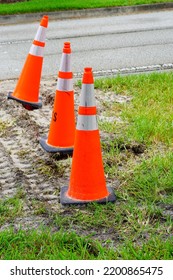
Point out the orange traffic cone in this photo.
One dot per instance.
(87, 180)
(27, 88)
(62, 128)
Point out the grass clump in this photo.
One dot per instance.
(4, 128)
(52, 167)
(11, 208)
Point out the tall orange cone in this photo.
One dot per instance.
(87, 180)
(27, 88)
(62, 128)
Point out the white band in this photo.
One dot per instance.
(36, 50)
(64, 84)
(87, 98)
(65, 65)
(41, 34)
(87, 122)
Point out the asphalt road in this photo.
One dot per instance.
(104, 43)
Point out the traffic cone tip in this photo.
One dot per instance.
(88, 76)
(67, 47)
(44, 21)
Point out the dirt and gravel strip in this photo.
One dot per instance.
(24, 165)
(22, 161)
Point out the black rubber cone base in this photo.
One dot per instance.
(66, 200)
(30, 106)
(51, 149)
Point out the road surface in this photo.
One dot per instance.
(137, 41)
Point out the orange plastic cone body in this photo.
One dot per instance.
(27, 88)
(28, 85)
(87, 179)
(62, 127)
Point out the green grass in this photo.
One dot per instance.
(11, 208)
(54, 5)
(61, 245)
(152, 180)
(150, 113)
(44, 245)
(138, 157)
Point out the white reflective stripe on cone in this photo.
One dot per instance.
(65, 65)
(87, 122)
(36, 50)
(64, 84)
(87, 100)
(41, 34)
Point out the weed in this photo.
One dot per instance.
(11, 208)
(39, 207)
(53, 167)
